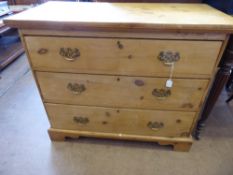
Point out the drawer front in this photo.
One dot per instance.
(136, 57)
(122, 121)
(120, 91)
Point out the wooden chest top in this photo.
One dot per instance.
(123, 16)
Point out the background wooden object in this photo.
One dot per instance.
(223, 74)
(221, 78)
(10, 45)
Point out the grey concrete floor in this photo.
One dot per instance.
(25, 148)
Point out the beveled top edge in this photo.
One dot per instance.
(123, 16)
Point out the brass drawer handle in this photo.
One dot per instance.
(155, 126)
(81, 120)
(168, 57)
(76, 88)
(161, 93)
(69, 54)
(42, 51)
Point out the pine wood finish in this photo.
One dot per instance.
(132, 59)
(120, 91)
(112, 87)
(178, 143)
(121, 121)
(123, 17)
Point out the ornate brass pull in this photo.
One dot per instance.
(168, 57)
(161, 93)
(155, 126)
(42, 51)
(76, 88)
(69, 54)
(81, 120)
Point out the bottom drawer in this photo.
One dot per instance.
(122, 121)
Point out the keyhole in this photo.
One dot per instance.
(120, 46)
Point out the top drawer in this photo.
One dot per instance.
(133, 57)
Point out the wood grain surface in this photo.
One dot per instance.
(123, 16)
(137, 57)
(121, 121)
(204, 36)
(121, 91)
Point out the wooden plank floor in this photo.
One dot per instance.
(25, 147)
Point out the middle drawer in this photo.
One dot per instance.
(121, 91)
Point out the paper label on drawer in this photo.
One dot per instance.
(169, 83)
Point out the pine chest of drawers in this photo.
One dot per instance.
(123, 71)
